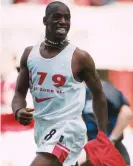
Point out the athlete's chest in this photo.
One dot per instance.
(50, 73)
(58, 70)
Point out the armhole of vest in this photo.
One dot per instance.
(29, 55)
(70, 67)
(34, 49)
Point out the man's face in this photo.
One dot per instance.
(58, 22)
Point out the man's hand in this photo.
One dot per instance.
(112, 139)
(24, 116)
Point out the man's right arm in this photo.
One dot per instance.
(22, 84)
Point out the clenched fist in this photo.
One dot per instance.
(24, 116)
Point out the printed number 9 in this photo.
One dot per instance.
(59, 80)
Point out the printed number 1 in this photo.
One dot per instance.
(58, 79)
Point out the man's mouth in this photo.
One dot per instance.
(61, 30)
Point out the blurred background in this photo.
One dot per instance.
(104, 28)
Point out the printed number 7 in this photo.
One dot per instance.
(58, 79)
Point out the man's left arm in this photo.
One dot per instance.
(92, 80)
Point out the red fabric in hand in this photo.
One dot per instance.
(101, 152)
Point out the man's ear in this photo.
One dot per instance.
(44, 20)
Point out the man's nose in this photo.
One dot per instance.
(62, 21)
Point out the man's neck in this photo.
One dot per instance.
(54, 41)
(55, 46)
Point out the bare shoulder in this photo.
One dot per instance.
(28, 49)
(81, 52)
(84, 58)
(88, 72)
(25, 55)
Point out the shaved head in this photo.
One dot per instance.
(53, 6)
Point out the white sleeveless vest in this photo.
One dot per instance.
(56, 94)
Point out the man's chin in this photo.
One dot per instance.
(61, 36)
